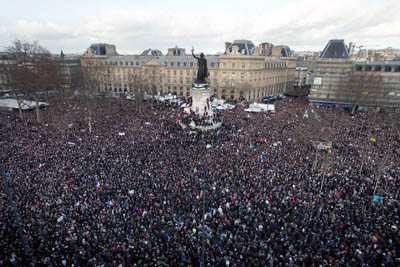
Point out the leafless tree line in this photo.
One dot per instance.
(31, 70)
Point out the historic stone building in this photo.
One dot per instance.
(239, 73)
(388, 94)
(303, 76)
(340, 81)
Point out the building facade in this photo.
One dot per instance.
(239, 73)
(341, 81)
(303, 76)
(388, 94)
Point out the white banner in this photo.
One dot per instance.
(318, 80)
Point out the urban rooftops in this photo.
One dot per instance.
(335, 49)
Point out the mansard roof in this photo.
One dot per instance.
(335, 49)
(151, 52)
(285, 51)
(246, 47)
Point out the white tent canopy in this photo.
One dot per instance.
(11, 103)
(258, 107)
(221, 104)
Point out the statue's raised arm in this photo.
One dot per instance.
(194, 54)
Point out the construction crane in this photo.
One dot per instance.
(359, 49)
(353, 46)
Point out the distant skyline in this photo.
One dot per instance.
(133, 26)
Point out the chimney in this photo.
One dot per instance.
(235, 50)
(227, 44)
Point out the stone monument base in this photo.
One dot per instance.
(201, 108)
(201, 102)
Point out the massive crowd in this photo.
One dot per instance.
(130, 192)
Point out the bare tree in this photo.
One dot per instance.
(153, 81)
(33, 70)
(225, 85)
(243, 87)
(70, 68)
(136, 83)
(88, 84)
(362, 88)
(8, 74)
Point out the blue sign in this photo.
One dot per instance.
(324, 104)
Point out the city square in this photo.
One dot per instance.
(213, 133)
(136, 198)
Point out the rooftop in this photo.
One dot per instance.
(285, 51)
(335, 49)
(246, 47)
(151, 52)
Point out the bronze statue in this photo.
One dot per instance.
(202, 70)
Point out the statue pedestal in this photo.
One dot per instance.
(201, 106)
(201, 103)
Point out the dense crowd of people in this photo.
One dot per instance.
(129, 193)
(192, 119)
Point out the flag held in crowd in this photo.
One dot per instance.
(372, 139)
(378, 199)
(98, 185)
(110, 203)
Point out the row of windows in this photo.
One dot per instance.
(191, 64)
(252, 94)
(212, 73)
(332, 72)
(121, 63)
(378, 68)
(260, 65)
(181, 64)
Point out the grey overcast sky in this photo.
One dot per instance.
(135, 25)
